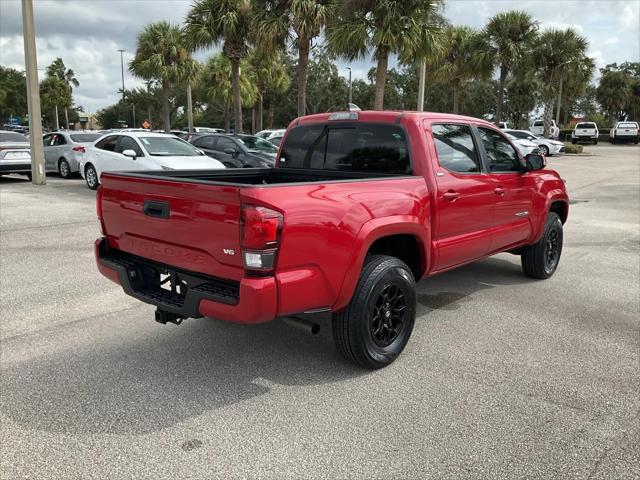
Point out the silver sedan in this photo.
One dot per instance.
(63, 150)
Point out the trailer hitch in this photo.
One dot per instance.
(164, 317)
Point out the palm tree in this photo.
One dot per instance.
(215, 80)
(298, 21)
(68, 78)
(161, 55)
(226, 22)
(383, 28)
(509, 35)
(462, 60)
(557, 52)
(270, 74)
(53, 91)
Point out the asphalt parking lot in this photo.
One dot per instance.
(504, 377)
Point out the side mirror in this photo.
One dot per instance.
(535, 161)
(231, 151)
(130, 153)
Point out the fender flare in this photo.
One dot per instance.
(370, 232)
(556, 195)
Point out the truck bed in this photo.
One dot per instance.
(257, 176)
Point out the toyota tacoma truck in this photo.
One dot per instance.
(358, 207)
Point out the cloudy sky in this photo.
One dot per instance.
(88, 33)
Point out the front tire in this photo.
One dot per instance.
(541, 259)
(91, 177)
(375, 327)
(573, 141)
(64, 169)
(544, 150)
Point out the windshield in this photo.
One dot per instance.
(85, 137)
(12, 137)
(256, 143)
(168, 147)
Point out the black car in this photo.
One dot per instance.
(237, 151)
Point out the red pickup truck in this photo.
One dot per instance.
(359, 207)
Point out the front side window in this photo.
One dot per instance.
(455, 147)
(502, 157)
(58, 140)
(356, 147)
(128, 143)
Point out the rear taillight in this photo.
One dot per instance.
(80, 149)
(260, 231)
(99, 209)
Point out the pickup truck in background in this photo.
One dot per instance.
(537, 128)
(359, 207)
(624, 132)
(585, 132)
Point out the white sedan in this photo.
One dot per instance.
(130, 151)
(525, 146)
(547, 146)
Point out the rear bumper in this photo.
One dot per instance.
(15, 167)
(252, 300)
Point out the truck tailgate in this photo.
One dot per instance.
(187, 225)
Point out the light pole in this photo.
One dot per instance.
(421, 82)
(350, 90)
(38, 176)
(122, 70)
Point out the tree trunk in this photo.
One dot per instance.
(237, 102)
(547, 117)
(189, 109)
(303, 65)
(227, 118)
(259, 112)
(56, 123)
(150, 121)
(66, 118)
(503, 80)
(559, 103)
(272, 115)
(166, 116)
(253, 120)
(381, 76)
(456, 96)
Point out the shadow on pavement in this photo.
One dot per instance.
(140, 383)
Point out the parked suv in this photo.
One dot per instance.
(585, 132)
(537, 128)
(624, 132)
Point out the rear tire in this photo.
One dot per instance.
(91, 177)
(64, 169)
(541, 259)
(595, 142)
(375, 327)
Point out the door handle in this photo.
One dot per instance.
(499, 191)
(451, 196)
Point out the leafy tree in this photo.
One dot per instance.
(52, 92)
(619, 90)
(298, 22)
(227, 22)
(67, 77)
(382, 27)
(462, 60)
(161, 55)
(510, 35)
(13, 93)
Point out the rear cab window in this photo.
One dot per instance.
(355, 147)
(455, 148)
(586, 125)
(628, 125)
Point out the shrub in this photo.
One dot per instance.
(570, 148)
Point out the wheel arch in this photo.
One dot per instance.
(400, 236)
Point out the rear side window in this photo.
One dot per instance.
(455, 147)
(585, 125)
(108, 143)
(361, 147)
